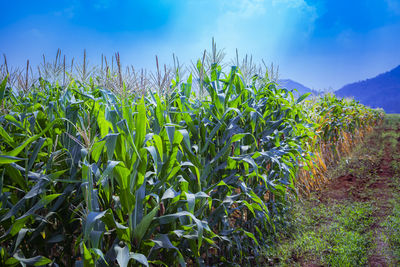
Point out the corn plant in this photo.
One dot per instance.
(92, 175)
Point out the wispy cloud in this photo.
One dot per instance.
(265, 26)
(321, 43)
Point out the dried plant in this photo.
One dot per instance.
(112, 74)
(271, 72)
(52, 71)
(246, 65)
(216, 56)
(25, 79)
(161, 80)
(84, 71)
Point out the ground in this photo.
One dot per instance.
(355, 219)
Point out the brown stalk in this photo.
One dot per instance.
(26, 76)
(64, 71)
(102, 56)
(5, 63)
(118, 61)
(84, 65)
(72, 64)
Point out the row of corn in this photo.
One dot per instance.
(90, 177)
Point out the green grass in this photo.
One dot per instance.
(392, 120)
(392, 229)
(334, 235)
(392, 223)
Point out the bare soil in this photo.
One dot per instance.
(369, 177)
(379, 190)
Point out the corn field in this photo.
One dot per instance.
(122, 167)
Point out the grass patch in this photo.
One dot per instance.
(356, 217)
(392, 120)
(348, 248)
(392, 229)
(330, 234)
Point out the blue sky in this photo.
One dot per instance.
(320, 43)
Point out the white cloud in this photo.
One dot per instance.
(263, 27)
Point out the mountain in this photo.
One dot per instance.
(290, 84)
(383, 91)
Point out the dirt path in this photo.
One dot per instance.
(350, 222)
(381, 189)
(377, 189)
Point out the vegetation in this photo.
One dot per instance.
(330, 235)
(93, 172)
(354, 220)
(392, 225)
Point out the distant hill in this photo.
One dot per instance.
(383, 91)
(290, 84)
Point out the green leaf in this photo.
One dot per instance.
(97, 150)
(21, 235)
(170, 133)
(40, 204)
(17, 150)
(16, 227)
(163, 241)
(111, 141)
(6, 137)
(166, 219)
(123, 256)
(108, 171)
(140, 258)
(4, 159)
(35, 153)
(251, 235)
(103, 123)
(140, 123)
(158, 144)
(13, 121)
(238, 137)
(87, 257)
(35, 261)
(3, 88)
(141, 228)
(92, 217)
(301, 98)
